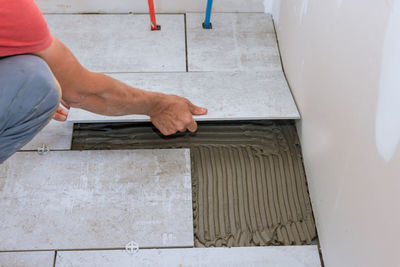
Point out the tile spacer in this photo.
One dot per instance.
(132, 248)
(43, 149)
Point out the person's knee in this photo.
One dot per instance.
(29, 98)
(44, 84)
(53, 95)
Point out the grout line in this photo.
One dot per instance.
(102, 13)
(27, 250)
(90, 249)
(186, 45)
(51, 150)
(123, 248)
(144, 13)
(141, 72)
(193, 71)
(55, 258)
(320, 251)
(228, 12)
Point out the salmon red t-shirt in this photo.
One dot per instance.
(23, 28)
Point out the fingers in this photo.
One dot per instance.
(186, 122)
(196, 110)
(61, 114)
(59, 117)
(177, 115)
(193, 126)
(167, 132)
(180, 126)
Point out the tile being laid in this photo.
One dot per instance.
(236, 42)
(123, 43)
(227, 95)
(56, 136)
(282, 256)
(27, 259)
(95, 199)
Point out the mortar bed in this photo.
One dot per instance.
(248, 181)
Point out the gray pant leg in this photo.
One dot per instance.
(29, 96)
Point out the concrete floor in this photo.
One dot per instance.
(244, 79)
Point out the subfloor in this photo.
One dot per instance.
(231, 184)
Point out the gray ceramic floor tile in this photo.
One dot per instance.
(123, 43)
(227, 95)
(96, 199)
(236, 42)
(299, 256)
(56, 136)
(27, 259)
(161, 6)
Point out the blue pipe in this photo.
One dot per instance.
(207, 24)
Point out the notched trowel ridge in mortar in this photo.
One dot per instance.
(249, 185)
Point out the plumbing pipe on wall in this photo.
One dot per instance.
(153, 22)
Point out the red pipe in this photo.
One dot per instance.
(154, 25)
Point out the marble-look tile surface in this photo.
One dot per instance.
(227, 95)
(96, 199)
(123, 43)
(237, 41)
(56, 136)
(27, 259)
(291, 256)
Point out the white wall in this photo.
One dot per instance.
(141, 6)
(342, 60)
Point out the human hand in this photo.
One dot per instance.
(173, 113)
(61, 113)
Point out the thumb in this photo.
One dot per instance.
(196, 110)
(65, 104)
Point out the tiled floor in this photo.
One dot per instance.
(96, 199)
(123, 43)
(161, 6)
(104, 199)
(296, 256)
(237, 68)
(237, 42)
(27, 259)
(55, 136)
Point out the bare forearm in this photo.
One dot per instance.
(92, 91)
(102, 94)
(114, 98)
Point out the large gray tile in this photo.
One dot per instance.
(95, 199)
(227, 95)
(27, 259)
(56, 136)
(295, 256)
(239, 41)
(123, 43)
(161, 6)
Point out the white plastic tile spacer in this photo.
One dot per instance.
(132, 248)
(43, 149)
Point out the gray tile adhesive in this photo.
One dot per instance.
(249, 185)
